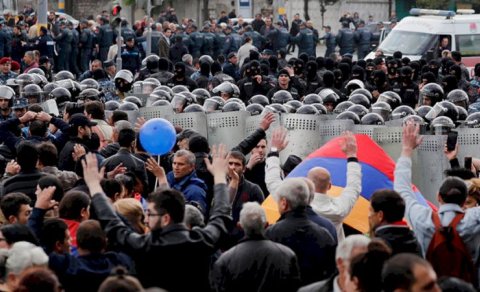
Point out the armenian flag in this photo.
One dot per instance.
(377, 173)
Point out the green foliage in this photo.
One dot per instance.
(433, 4)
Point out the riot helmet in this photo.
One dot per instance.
(372, 119)
(180, 102)
(343, 106)
(364, 92)
(38, 71)
(423, 110)
(33, 93)
(353, 85)
(307, 109)
(161, 102)
(430, 94)
(90, 94)
(206, 59)
(330, 98)
(449, 110)
(416, 119)
(348, 115)
(359, 109)
(276, 108)
(179, 88)
(194, 108)
(213, 104)
(24, 79)
(123, 80)
(8, 93)
(383, 109)
(70, 86)
(49, 87)
(233, 107)
(61, 96)
(62, 75)
(358, 98)
(255, 109)
(312, 98)
(167, 89)
(402, 111)
(259, 99)
(281, 97)
(390, 97)
(322, 110)
(135, 100)
(226, 90)
(201, 95)
(112, 105)
(462, 113)
(89, 83)
(473, 120)
(293, 105)
(442, 125)
(458, 97)
(128, 106)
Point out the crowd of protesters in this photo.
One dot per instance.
(85, 207)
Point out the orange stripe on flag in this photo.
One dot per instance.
(357, 219)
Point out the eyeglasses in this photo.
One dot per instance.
(149, 214)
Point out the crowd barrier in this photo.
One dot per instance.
(306, 133)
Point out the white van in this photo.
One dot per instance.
(420, 36)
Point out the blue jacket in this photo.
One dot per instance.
(193, 188)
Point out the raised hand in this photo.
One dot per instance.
(348, 144)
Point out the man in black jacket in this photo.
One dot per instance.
(124, 157)
(80, 130)
(170, 249)
(313, 245)
(387, 209)
(238, 269)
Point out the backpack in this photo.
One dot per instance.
(448, 253)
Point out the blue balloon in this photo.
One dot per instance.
(158, 136)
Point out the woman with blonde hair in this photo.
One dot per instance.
(473, 197)
(132, 210)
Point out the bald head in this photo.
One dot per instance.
(321, 179)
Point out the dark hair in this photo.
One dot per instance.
(47, 154)
(53, 231)
(126, 137)
(453, 190)
(238, 155)
(397, 272)
(456, 56)
(111, 187)
(37, 279)
(367, 267)
(127, 180)
(72, 108)
(27, 156)
(96, 109)
(11, 203)
(198, 143)
(138, 143)
(169, 201)
(35, 108)
(120, 281)
(72, 204)
(91, 237)
(38, 128)
(452, 284)
(50, 180)
(390, 202)
(119, 115)
(17, 232)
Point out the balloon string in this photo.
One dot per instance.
(156, 178)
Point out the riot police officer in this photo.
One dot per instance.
(208, 41)
(330, 41)
(85, 44)
(306, 41)
(196, 43)
(363, 39)
(345, 39)
(64, 47)
(104, 38)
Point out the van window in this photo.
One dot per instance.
(409, 43)
(468, 44)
